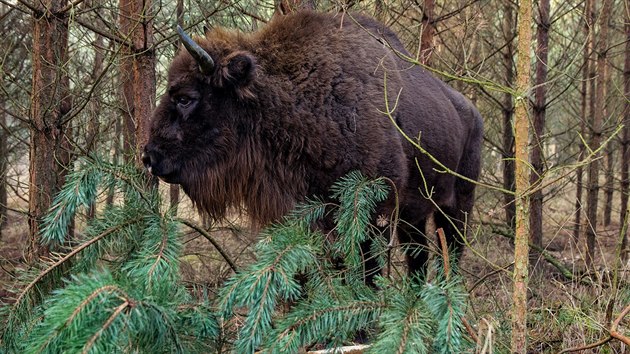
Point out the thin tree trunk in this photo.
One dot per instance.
(427, 32)
(596, 133)
(93, 124)
(508, 111)
(625, 145)
(609, 187)
(586, 92)
(174, 188)
(4, 158)
(49, 105)
(116, 148)
(126, 78)
(284, 7)
(610, 176)
(379, 10)
(542, 51)
(521, 130)
(4, 137)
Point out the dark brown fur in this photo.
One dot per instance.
(295, 106)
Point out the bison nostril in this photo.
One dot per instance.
(146, 160)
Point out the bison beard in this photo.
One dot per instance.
(262, 121)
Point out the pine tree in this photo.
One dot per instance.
(119, 288)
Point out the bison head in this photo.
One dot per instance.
(200, 120)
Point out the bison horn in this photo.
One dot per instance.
(206, 64)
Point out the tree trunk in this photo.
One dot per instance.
(117, 152)
(126, 84)
(609, 187)
(4, 137)
(49, 105)
(609, 184)
(93, 124)
(427, 32)
(586, 93)
(379, 10)
(625, 147)
(284, 7)
(508, 111)
(174, 188)
(542, 51)
(138, 75)
(4, 158)
(596, 133)
(521, 135)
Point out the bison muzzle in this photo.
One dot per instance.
(262, 121)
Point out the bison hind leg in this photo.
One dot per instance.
(452, 222)
(412, 237)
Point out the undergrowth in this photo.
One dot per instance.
(116, 286)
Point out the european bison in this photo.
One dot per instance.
(266, 119)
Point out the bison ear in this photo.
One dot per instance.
(238, 70)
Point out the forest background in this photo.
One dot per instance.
(81, 78)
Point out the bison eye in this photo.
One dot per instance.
(183, 101)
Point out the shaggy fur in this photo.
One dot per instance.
(295, 106)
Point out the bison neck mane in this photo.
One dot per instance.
(257, 179)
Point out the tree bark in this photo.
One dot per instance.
(596, 133)
(138, 75)
(427, 32)
(126, 8)
(609, 187)
(540, 103)
(521, 130)
(93, 124)
(625, 146)
(586, 103)
(508, 112)
(4, 137)
(609, 184)
(49, 105)
(174, 188)
(284, 7)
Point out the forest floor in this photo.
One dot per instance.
(486, 266)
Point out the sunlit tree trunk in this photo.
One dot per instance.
(540, 109)
(49, 105)
(508, 112)
(596, 133)
(586, 103)
(4, 137)
(521, 136)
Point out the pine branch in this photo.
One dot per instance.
(214, 243)
(20, 308)
(407, 324)
(320, 320)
